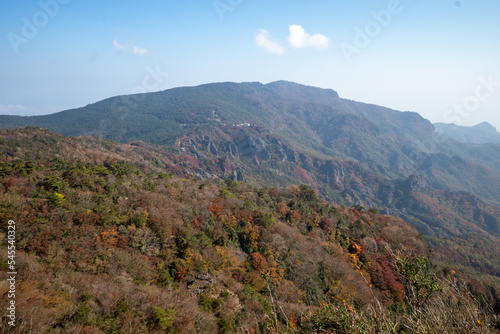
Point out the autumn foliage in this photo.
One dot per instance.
(134, 248)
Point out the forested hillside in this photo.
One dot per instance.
(119, 238)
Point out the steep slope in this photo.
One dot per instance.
(109, 239)
(278, 133)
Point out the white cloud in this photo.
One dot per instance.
(263, 40)
(139, 51)
(118, 46)
(130, 48)
(298, 38)
(9, 109)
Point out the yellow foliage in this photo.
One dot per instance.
(317, 220)
(276, 275)
(29, 288)
(229, 221)
(188, 256)
(353, 258)
(226, 257)
(57, 300)
(253, 236)
(335, 289)
(356, 249)
(197, 258)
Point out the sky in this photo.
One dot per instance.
(439, 58)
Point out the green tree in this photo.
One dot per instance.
(164, 319)
(421, 283)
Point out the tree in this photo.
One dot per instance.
(421, 283)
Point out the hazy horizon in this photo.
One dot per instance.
(437, 59)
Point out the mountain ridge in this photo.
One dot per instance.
(482, 133)
(294, 132)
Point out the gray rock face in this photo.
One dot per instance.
(264, 155)
(334, 172)
(229, 147)
(212, 148)
(291, 155)
(414, 183)
(255, 147)
(282, 154)
(236, 175)
(199, 283)
(208, 143)
(250, 146)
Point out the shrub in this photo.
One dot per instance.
(164, 319)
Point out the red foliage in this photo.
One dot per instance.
(258, 262)
(282, 209)
(326, 224)
(239, 274)
(122, 242)
(218, 205)
(87, 218)
(382, 274)
(294, 216)
(39, 244)
(398, 291)
(273, 192)
(10, 182)
(303, 176)
(244, 215)
(215, 209)
(181, 272)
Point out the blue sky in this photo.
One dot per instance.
(438, 58)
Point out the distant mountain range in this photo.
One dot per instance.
(284, 133)
(481, 133)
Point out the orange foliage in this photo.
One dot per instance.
(276, 274)
(282, 209)
(110, 236)
(293, 191)
(258, 262)
(355, 249)
(292, 320)
(215, 209)
(244, 215)
(293, 217)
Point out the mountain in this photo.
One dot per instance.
(283, 133)
(481, 133)
(118, 238)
